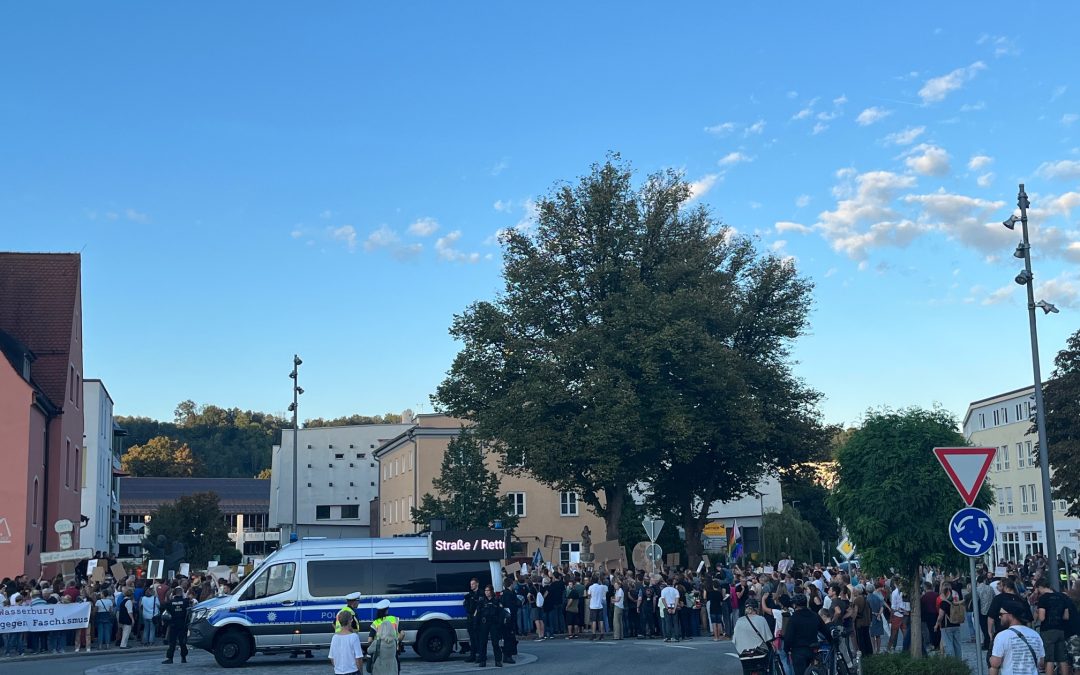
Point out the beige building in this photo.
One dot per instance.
(1003, 422)
(410, 462)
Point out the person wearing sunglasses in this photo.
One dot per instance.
(1017, 649)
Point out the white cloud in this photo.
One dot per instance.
(905, 137)
(327, 214)
(985, 180)
(928, 160)
(1063, 290)
(840, 100)
(788, 226)
(793, 94)
(500, 166)
(733, 158)
(1059, 91)
(980, 162)
(778, 245)
(828, 116)
(701, 186)
(136, 216)
(871, 115)
(820, 127)
(755, 128)
(297, 233)
(867, 220)
(445, 247)
(383, 237)
(1069, 118)
(424, 227)
(802, 114)
(345, 233)
(802, 201)
(1002, 45)
(974, 222)
(937, 88)
(721, 129)
(1000, 295)
(503, 206)
(973, 107)
(1066, 169)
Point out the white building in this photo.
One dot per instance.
(338, 478)
(100, 470)
(1003, 422)
(747, 512)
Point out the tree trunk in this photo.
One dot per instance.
(914, 598)
(613, 508)
(694, 548)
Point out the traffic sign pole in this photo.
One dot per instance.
(979, 664)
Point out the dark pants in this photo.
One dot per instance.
(474, 639)
(484, 631)
(800, 660)
(866, 645)
(177, 634)
(510, 641)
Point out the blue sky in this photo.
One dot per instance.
(249, 180)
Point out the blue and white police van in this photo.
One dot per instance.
(288, 604)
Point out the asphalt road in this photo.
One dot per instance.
(555, 656)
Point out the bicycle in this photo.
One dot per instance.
(834, 657)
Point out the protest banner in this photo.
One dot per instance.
(38, 618)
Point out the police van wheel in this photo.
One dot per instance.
(435, 643)
(232, 649)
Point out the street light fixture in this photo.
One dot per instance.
(1025, 278)
(294, 408)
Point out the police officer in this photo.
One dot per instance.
(177, 607)
(511, 606)
(490, 619)
(352, 601)
(382, 665)
(472, 601)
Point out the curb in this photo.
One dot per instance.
(72, 654)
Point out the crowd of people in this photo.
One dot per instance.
(123, 612)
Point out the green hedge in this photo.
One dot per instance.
(903, 664)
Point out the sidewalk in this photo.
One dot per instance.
(70, 652)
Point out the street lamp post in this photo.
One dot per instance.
(1025, 278)
(294, 407)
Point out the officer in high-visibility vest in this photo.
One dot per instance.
(389, 638)
(352, 600)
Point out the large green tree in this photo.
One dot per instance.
(803, 489)
(1061, 398)
(635, 338)
(788, 532)
(161, 456)
(350, 420)
(894, 498)
(196, 522)
(469, 494)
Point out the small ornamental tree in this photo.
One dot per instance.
(896, 501)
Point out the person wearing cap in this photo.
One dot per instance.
(352, 600)
(1017, 649)
(384, 638)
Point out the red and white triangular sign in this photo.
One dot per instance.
(967, 468)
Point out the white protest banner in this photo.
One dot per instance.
(37, 618)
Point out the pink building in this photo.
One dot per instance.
(41, 417)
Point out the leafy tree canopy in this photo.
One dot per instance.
(788, 532)
(1061, 398)
(350, 420)
(161, 456)
(469, 494)
(894, 498)
(636, 340)
(196, 522)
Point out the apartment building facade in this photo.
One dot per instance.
(1003, 422)
(101, 470)
(410, 462)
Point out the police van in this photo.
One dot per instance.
(289, 603)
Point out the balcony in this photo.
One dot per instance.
(129, 539)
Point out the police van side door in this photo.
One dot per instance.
(269, 605)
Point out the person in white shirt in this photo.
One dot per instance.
(150, 607)
(669, 608)
(597, 606)
(346, 654)
(1017, 649)
(620, 606)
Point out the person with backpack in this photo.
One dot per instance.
(950, 617)
(384, 642)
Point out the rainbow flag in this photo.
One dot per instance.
(735, 549)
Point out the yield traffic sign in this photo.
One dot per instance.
(966, 468)
(652, 527)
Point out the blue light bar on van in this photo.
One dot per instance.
(469, 545)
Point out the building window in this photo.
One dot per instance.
(67, 464)
(339, 455)
(568, 503)
(1005, 451)
(1030, 454)
(997, 458)
(322, 513)
(33, 505)
(982, 420)
(350, 511)
(570, 551)
(1021, 458)
(78, 470)
(1008, 500)
(999, 497)
(1023, 499)
(411, 506)
(517, 504)
(1032, 545)
(1019, 412)
(71, 388)
(1034, 501)
(1010, 546)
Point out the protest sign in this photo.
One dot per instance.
(38, 618)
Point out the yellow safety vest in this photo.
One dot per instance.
(337, 624)
(378, 622)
